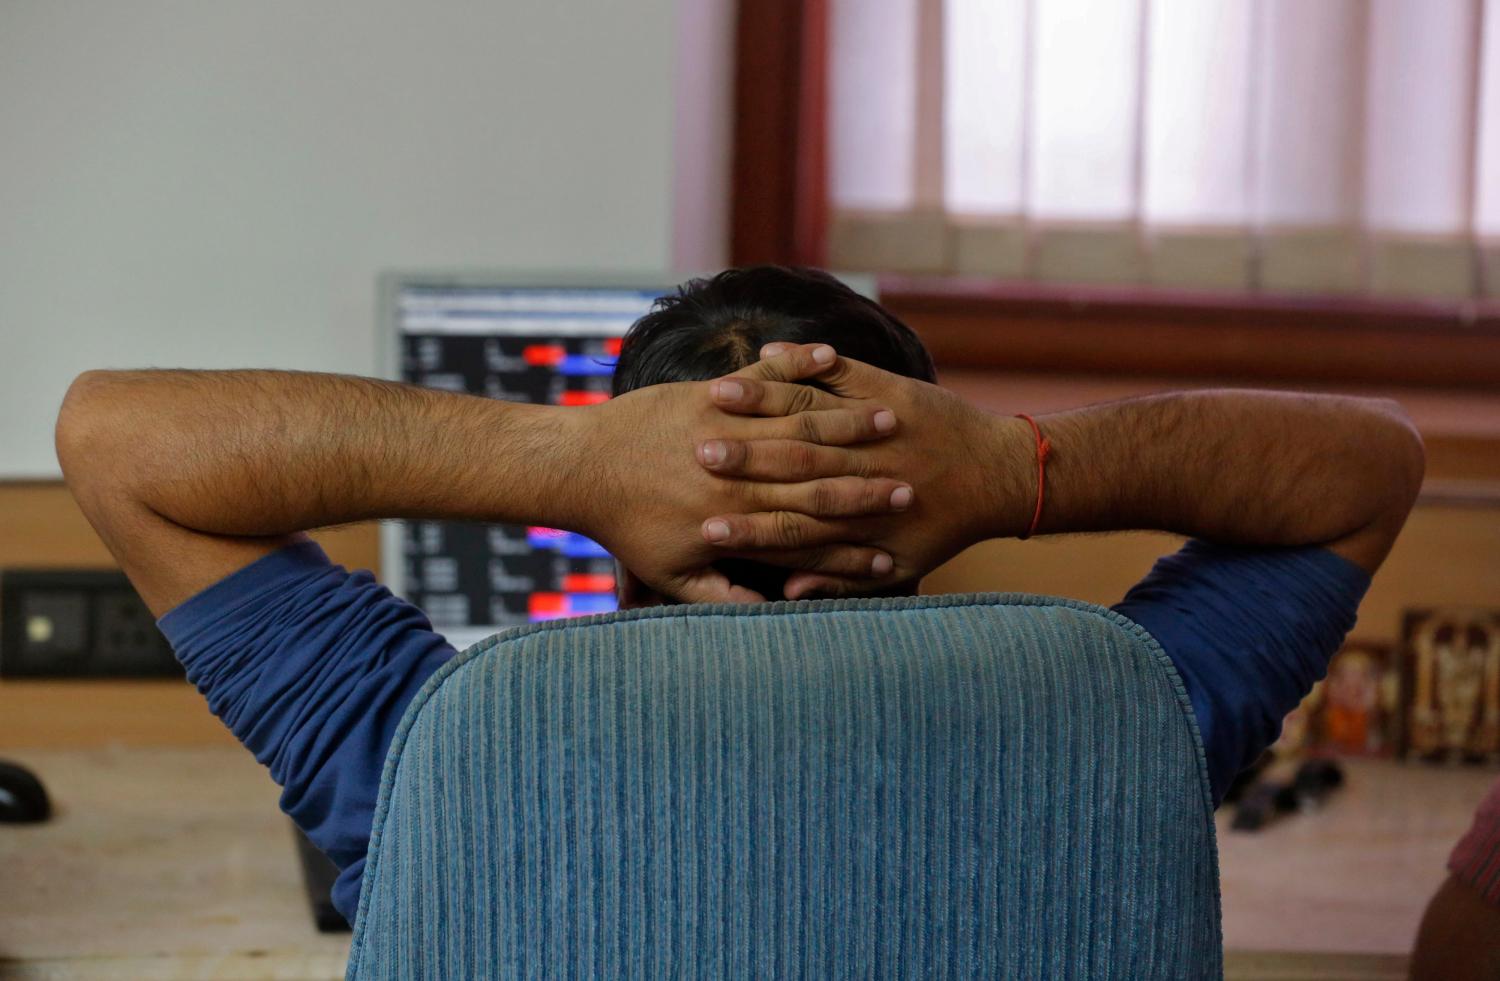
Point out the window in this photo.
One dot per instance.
(1347, 146)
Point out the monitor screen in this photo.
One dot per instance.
(544, 344)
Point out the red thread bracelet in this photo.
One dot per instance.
(1043, 451)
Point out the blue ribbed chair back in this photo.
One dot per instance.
(959, 786)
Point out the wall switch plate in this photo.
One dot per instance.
(60, 623)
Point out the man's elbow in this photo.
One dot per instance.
(1384, 481)
(87, 435)
(1408, 456)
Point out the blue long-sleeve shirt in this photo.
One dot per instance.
(312, 666)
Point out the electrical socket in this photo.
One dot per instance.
(83, 623)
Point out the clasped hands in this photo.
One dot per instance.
(860, 488)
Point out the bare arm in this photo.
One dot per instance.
(1235, 467)
(190, 475)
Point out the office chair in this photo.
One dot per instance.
(994, 786)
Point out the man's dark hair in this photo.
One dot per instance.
(712, 327)
(716, 326)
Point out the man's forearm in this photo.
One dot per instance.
(260, 453)
(1238, 467)
(189, 476)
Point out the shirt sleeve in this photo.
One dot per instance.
(1250, 630)
(311, 667)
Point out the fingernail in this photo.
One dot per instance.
(881, 564)
(901, 498)
(823, 354)
(711, 452)
(728, 391)
(715, 530)
(885, 420)
(774, 348)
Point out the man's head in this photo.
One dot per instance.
(712, 327)
(716, 326)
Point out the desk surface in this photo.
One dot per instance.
(1355, 875)
(159, 863)
(176, 863)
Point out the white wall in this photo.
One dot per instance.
(705, 133)
(212, 184)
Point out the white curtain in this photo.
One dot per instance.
(1282, 145)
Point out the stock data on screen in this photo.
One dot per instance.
(532, 344)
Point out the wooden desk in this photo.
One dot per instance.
(159, 863)
(176, 863)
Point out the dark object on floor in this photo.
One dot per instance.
(89, 623)
(23, 799)
(318, 875)
(1259, 805)
(1315, 780)
(1264, 800)
(1248, 777)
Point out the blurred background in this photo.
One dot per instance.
(1070, 200)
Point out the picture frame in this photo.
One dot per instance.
(1354, 711)
(1359, 701)
(1450, 685)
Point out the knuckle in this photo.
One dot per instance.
(860, 563)
(802, 459)
(738, 491)
(788, 529)
(853, 494)
(749, 531)
(773, 370)
(741, 458)
(817, 558)
(736, 454)
(754, 392)
(825, 497)
(800, 399)
(732, 461)
(807, 428)
(824, 587)
(839, 560)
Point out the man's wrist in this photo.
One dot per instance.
(524, 465)
(1008, 464)
(574, 477)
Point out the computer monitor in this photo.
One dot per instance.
(545, 339)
